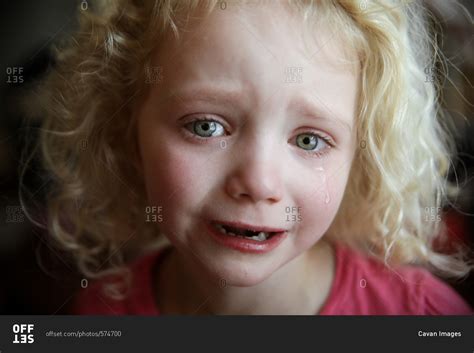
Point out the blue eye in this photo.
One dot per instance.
(307, 141)
(207, 128)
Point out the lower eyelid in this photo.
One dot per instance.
(193, 137)
(188, 135)
(314, 154)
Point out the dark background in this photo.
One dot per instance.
(39, 279)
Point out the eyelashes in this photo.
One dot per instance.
(314, 143)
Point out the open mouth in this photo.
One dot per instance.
(244, 233)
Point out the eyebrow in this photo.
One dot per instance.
(303, 104)
(208, 94)
(314, 108)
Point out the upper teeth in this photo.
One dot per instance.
(261, 236)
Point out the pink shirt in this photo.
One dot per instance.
(362, 286)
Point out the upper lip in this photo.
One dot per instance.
(250, 227)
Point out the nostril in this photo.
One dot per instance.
(254, 187)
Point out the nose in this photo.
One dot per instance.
(254, 178)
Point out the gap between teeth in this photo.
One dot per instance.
(260, 236)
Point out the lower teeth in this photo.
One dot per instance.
(259, 237)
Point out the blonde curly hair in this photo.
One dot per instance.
(96, 208)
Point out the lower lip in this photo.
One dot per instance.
(246, 245)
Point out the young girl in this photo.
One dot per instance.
(263, 157)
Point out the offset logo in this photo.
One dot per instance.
(23, 333)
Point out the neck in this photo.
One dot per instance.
(300, 287)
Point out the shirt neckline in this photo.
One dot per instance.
(334, 292)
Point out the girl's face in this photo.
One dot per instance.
(273, 145)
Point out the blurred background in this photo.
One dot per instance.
(39, 279)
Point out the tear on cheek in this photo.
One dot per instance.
(320, 189)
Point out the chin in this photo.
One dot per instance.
(241, 275)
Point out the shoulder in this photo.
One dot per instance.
(365, 286)
(139, 300)
(438, 298)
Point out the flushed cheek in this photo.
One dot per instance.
(174, 181)
(318, 208)
(315, 220)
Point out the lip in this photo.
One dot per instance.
(249, 226)
(247, 245)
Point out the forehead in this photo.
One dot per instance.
(274, 28)
(260, 48)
